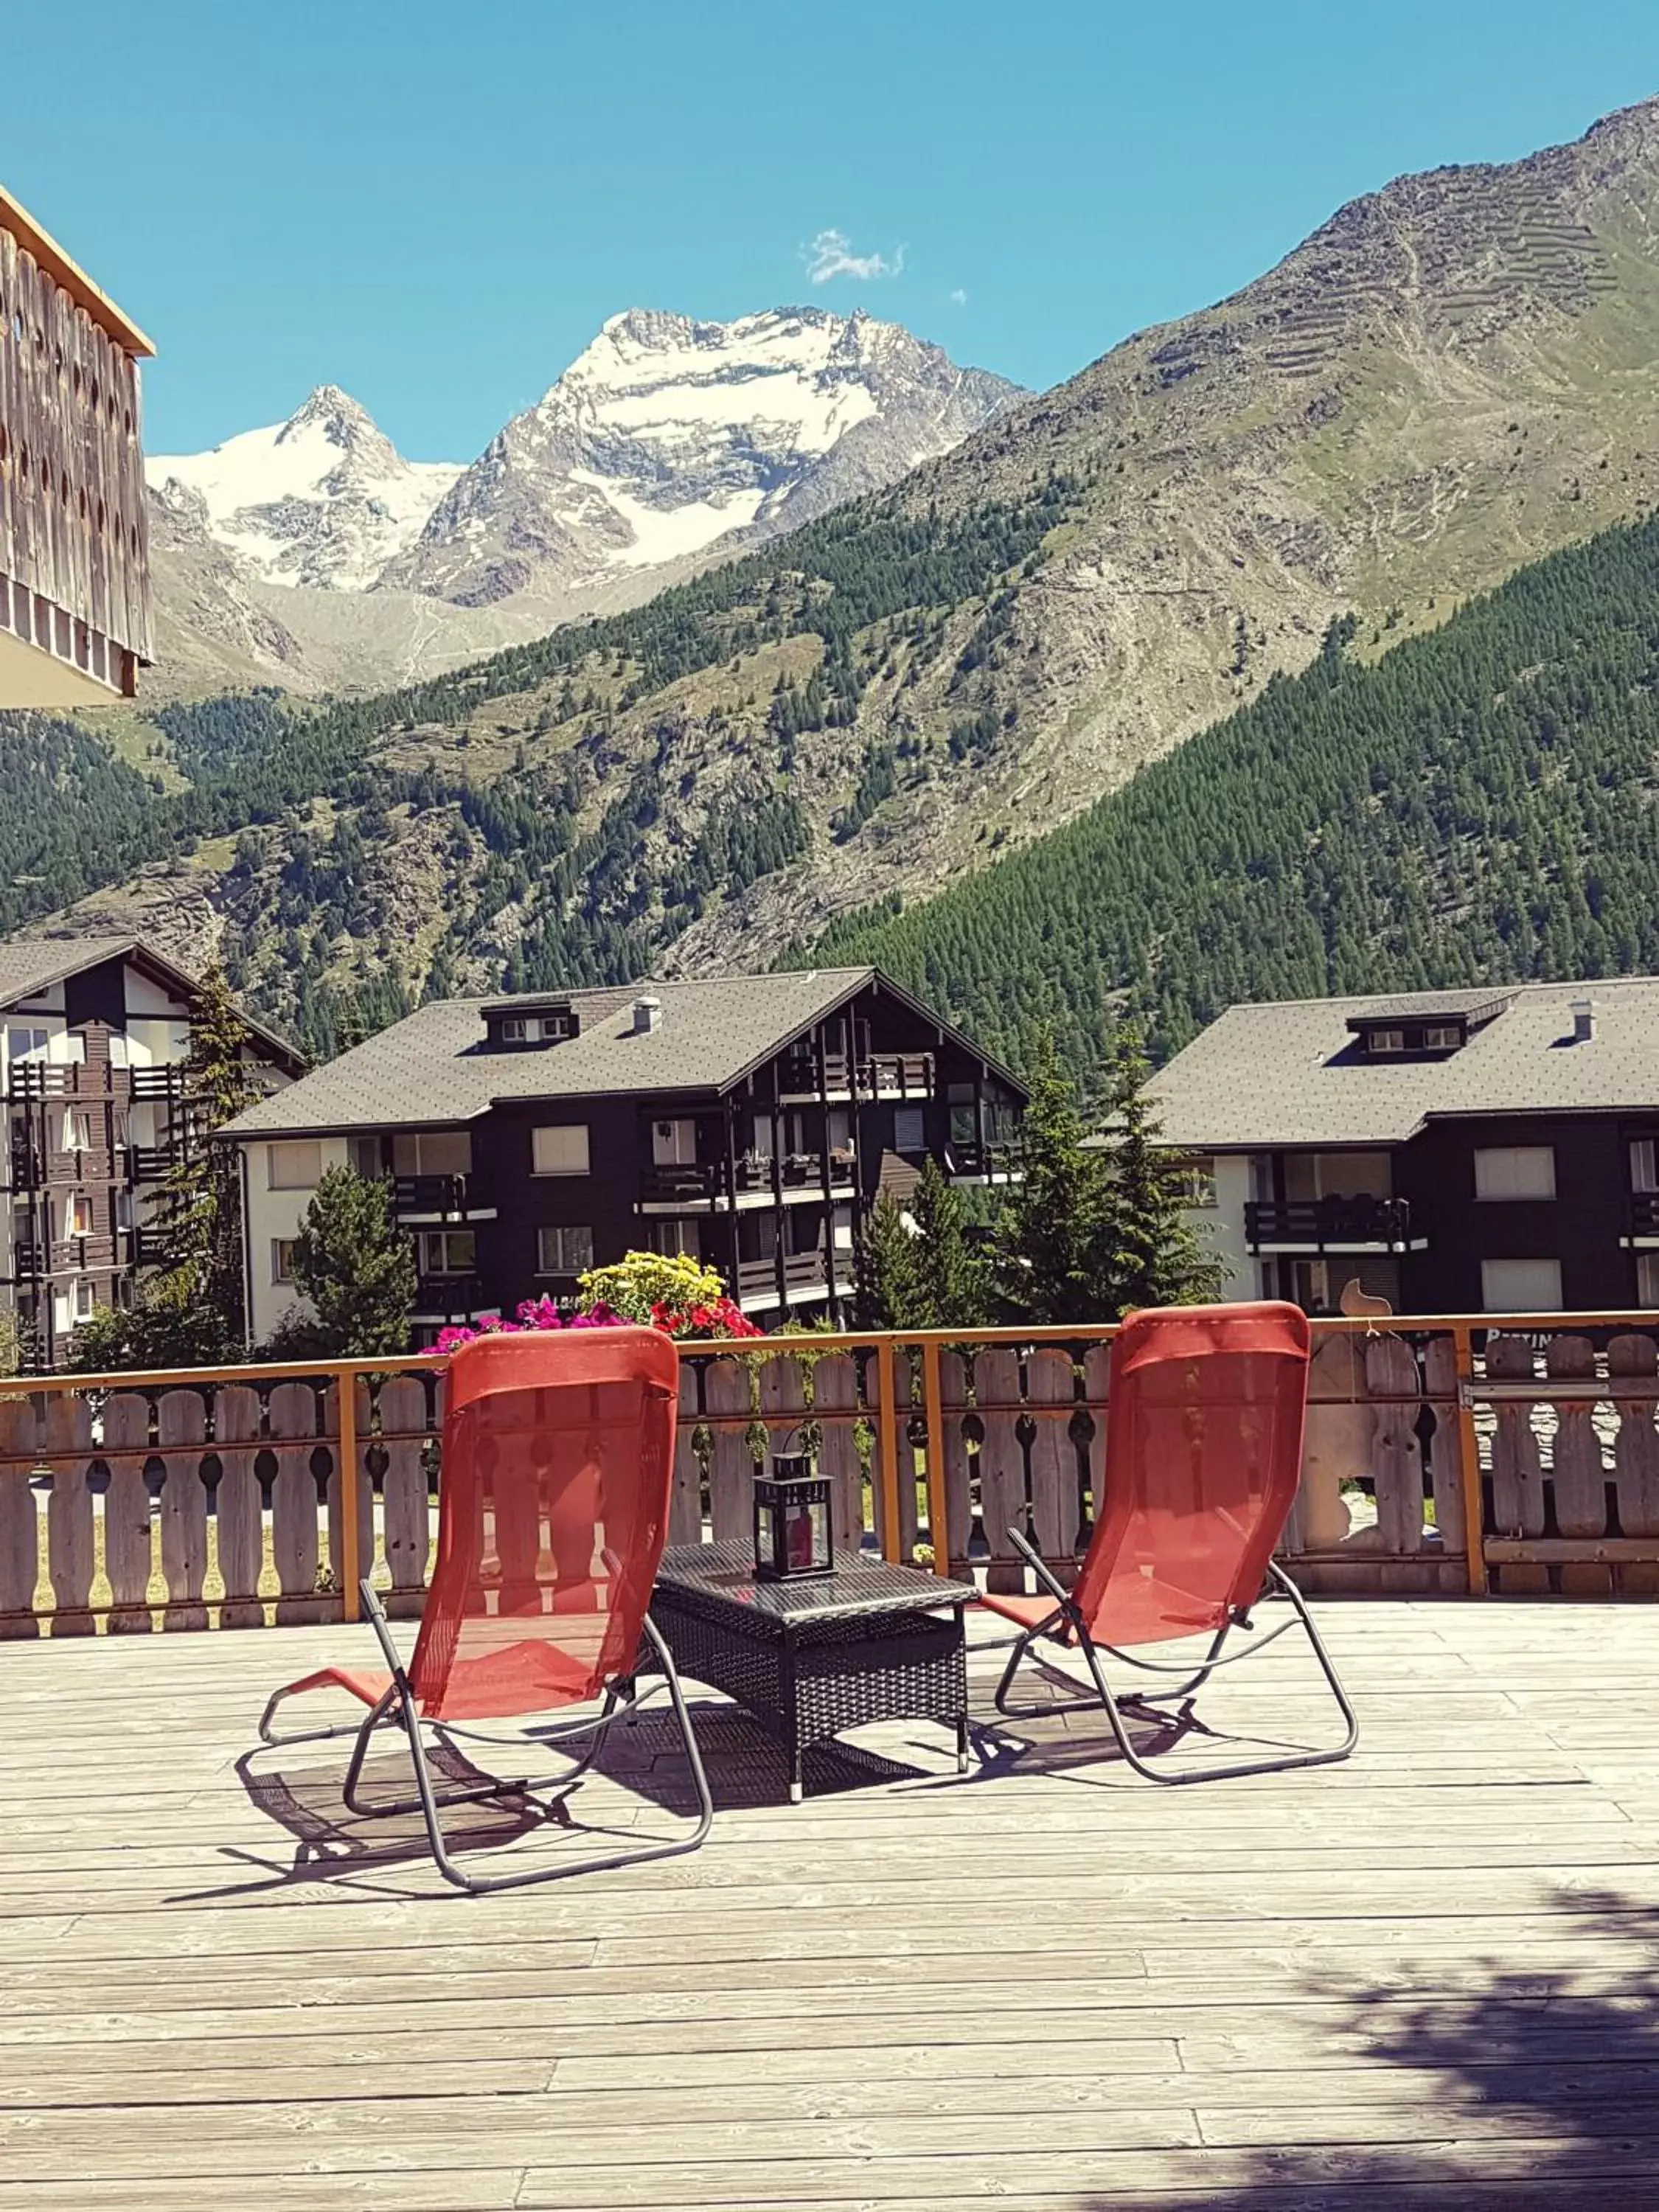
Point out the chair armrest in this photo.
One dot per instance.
(1045, 1575)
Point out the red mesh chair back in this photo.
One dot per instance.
(1204, 1425)
(558, 1452)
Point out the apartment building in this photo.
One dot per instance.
(749, 1121)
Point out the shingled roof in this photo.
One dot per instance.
(33, 964)
(1291, 1072)
(434, 1068)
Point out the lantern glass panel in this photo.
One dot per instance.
(792, 1533)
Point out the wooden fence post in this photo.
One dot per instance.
(20, 1521)
(237, 1512)
(835, 1407)
(128, 1549)
(405, 1501)
(181, 1421)
(69, 1514)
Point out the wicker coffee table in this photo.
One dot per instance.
(810, 1658)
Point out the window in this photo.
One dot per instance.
(367, 1158)
(964, 1125)
(1520, 1286)
(294, 1166)
(564, 1248)
(1647, 1278)
(82, 1299)
(1385, 1040)
(282, 1259)
(448, 1251)
(1644, 1164)
(118, 1054)
(1310, 1284)
(909, 1130)
(674, 1144)
(560, 1151)
(512, 1029)
(432, 1152)
(675, 1238)
(77, 1130)
(1442, 1037)
(1195, 1181)
(78, 1214)
(26, 1044)
(123, 1209)
(1504, 1171)
(75, 1048)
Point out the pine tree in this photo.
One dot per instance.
(885, 1272)
(1150, 1254)
(199, 1217)
(952, 1285)
(355, 1269)
(1047, 1249)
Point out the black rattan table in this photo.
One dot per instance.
(810, 1658)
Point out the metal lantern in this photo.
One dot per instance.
(792, 1536)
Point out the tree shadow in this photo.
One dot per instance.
(1543, 2086)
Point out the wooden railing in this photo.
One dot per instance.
(193, 1499)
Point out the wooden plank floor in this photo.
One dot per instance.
(1428, 1977)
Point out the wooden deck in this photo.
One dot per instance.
(1426, 1978)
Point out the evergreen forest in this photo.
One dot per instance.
(1478, 805)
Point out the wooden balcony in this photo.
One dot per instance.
(701, 1185)
(1330, 1224)
(75, 614)
(1642, 1219)
(432, 1197)
(1424, 1978)
(972, 1163)
(804, 1276)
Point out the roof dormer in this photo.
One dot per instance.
(1432, 1027)
(529, 1024)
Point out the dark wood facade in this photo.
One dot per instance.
(75, 608)
(1433, 1243)
(89, 1140)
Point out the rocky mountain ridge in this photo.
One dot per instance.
(667, 443)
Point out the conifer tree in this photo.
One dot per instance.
(952, 1285)
(1150, 1254)
(1047, 1248)
(355, 1269)
(885, 1269)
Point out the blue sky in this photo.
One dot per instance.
(436, 205)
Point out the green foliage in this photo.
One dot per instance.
(885, 1274)
(198, 1214)
(1481, 805)
(1150, 1253)
(355, 1269)
(953, 1278)
(11, 1344)
(167, 1325)
(1046, 1243)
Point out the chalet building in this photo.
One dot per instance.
(74, 615)
(93, 1032)
(1457, 1151)
(749, 1121)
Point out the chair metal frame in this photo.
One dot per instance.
(1066, 1625)
(397, 1706)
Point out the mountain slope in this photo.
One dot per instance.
(1451, 376)
(1481, 805)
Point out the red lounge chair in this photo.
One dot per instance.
(1203, 1456)
(558, 1451)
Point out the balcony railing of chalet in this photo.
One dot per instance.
(29, 1079)
(705, 1180)
(453, 1297)
(879, 1075)
(73, 1256)
(1641, 1213)
(1334, 1225)
(976, 1162)
(199, 1492)
(430, 1194)
(802, 1271)
(73, 536)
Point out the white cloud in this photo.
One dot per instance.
(959, 298)
(830, 254)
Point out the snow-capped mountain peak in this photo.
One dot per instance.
(324, 499)
(664, 439)
(666, 436)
